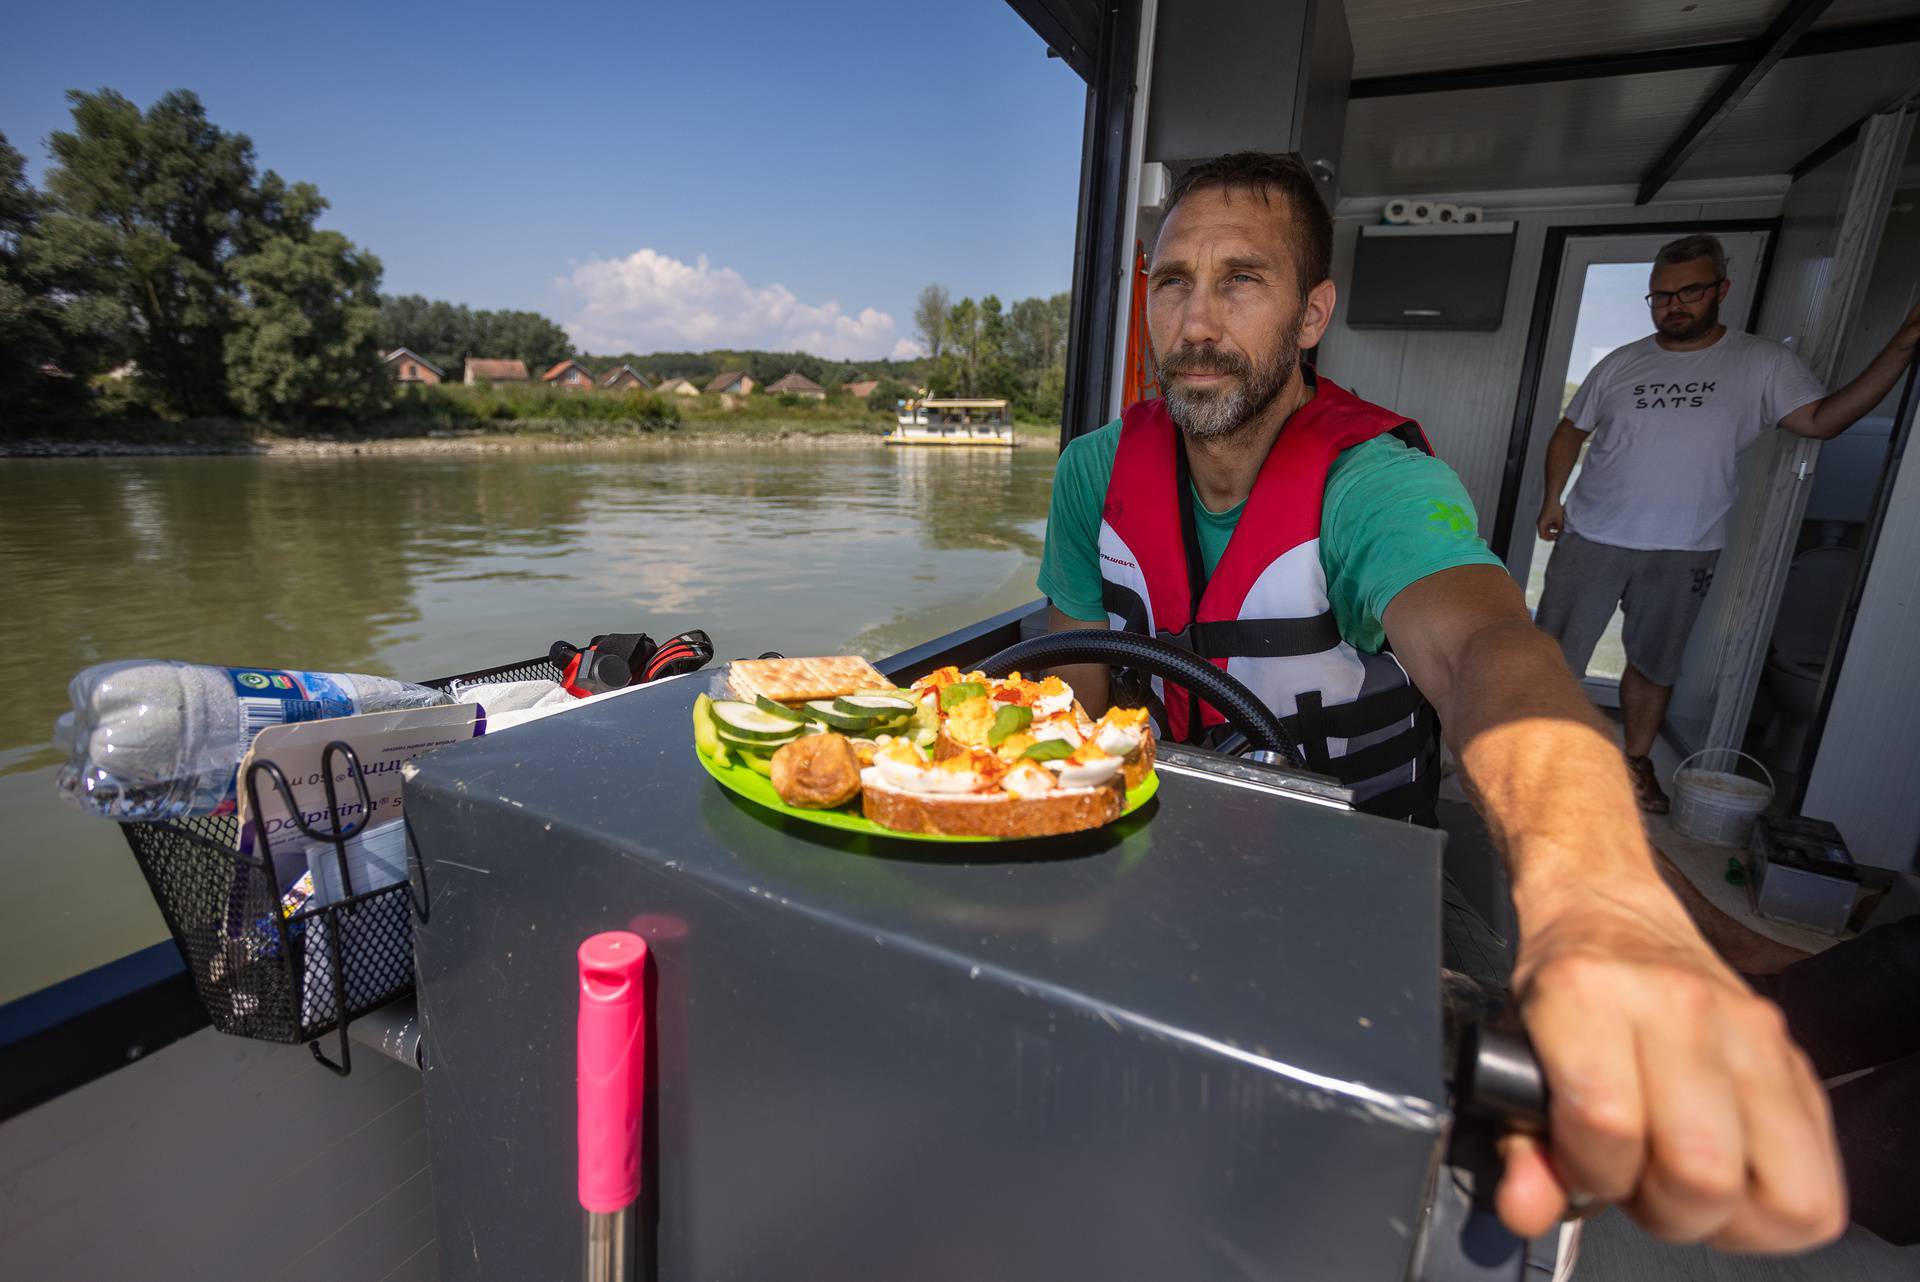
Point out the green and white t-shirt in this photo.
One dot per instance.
(1391, 516)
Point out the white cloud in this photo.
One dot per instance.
(908, 349)
(650, 302)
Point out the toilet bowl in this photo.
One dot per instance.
(1816, 592)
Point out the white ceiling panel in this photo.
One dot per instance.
(1398, 37)
(1575, 133)
(1799, 105)
(1394, 37)
(1860, 13)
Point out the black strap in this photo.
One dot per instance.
(1410, 435)
(1258, 638)
(1366, 714)
(1312, 735)
(1117, 598)
(1414, 802)
(1377, 758)
(1196, 572)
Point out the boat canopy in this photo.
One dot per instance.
(1601, 105)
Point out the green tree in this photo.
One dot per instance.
(306, 345)
(963, 341)
(930, 319)
(888, 395)
(47, 317)
(448, 333)
(27, 336)
(156, 205)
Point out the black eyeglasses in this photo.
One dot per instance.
(1686, 293)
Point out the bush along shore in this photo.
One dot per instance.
(478, 419)
(446, 419)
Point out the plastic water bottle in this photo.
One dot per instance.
(160, 739)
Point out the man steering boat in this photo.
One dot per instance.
(1273, 519)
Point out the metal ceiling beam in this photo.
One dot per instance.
(1781, 34)
(1824, 152)
(1729, 53)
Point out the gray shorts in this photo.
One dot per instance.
(1660, 592)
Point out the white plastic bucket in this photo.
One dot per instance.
(1718, 806)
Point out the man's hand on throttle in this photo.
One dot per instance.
(1676, 1091)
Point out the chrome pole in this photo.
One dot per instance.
(609, 1246)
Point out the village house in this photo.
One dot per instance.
(625, 378)
(676, 387)
(407, 366)
(734, 382)
(862, 388)
(794, 383)
(571, 375)
(487, 371)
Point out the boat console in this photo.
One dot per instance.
(1205, 1042)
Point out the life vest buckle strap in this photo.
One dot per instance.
(1184, 639)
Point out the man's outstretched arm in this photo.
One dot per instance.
(1676, 1090)
(1826, 418)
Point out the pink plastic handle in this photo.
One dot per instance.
(612, 1067)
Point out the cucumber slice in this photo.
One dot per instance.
(705, 736)
(746, 722)
(733, 740)
(855, 705)
(824, 711)
(779, 710)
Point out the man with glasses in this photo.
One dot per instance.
(1668, 416)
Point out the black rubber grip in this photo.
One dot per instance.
(1240, 706)
(1500, 1080)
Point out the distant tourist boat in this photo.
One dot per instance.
(956, 421)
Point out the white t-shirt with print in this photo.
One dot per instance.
(1668, 427)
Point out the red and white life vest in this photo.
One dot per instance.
(1264, 613)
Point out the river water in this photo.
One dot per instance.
(425, 565)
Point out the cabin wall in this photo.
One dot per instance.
(217, 1158)
(1461, 386)
(1867, 775)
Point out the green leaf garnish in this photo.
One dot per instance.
(1048, 750)
(955, 695)
(1009, 721)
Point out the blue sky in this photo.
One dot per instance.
(653, 175)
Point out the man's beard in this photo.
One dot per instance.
(1208, 413)
(1689, 330)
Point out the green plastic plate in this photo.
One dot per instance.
(742, 781)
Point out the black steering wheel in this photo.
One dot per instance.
(1498, 1085)
(1240, 706)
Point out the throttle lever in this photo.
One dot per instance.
(1498, 1078)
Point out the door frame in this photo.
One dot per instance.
(1553, 255)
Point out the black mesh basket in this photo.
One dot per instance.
(285, 978)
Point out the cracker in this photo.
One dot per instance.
(797, 680)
